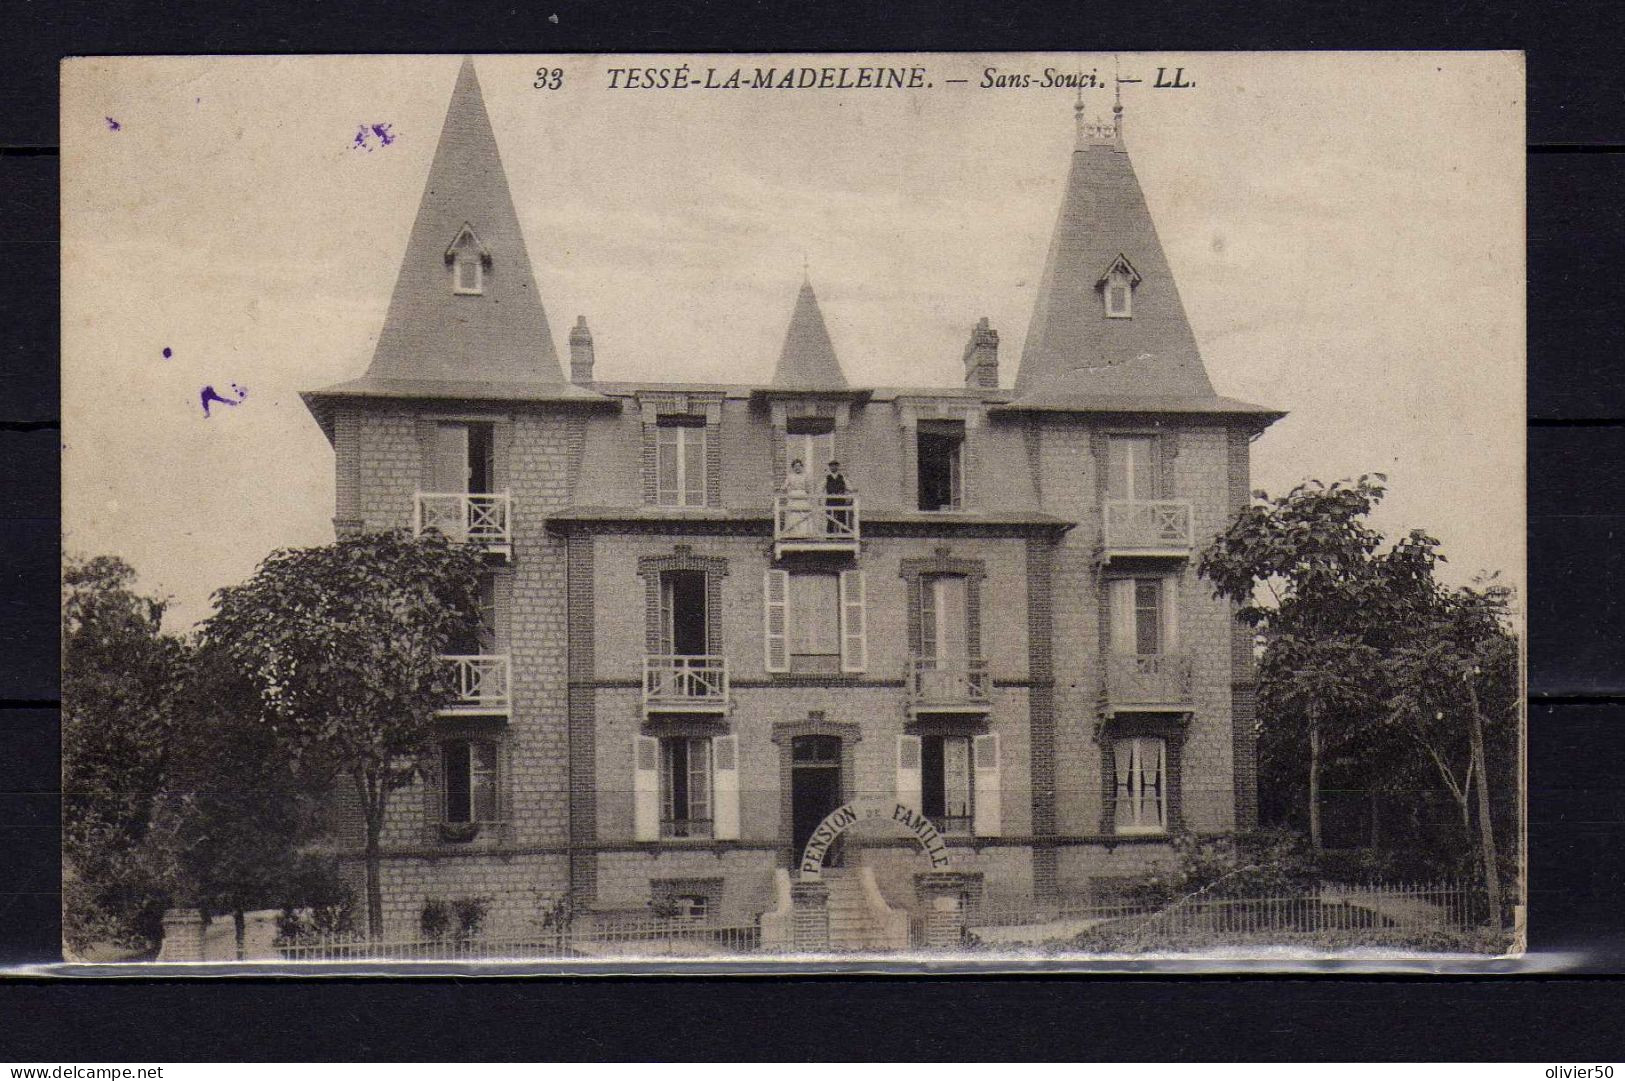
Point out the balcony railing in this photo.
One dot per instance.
(1147, 528)
(815, 523)
(936, 684)
(674, 683)
(1148, 681)
(482, 683)
(481, 518)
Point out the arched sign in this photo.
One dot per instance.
(838, 821)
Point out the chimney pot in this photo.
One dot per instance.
(581, 357)
(982, 356)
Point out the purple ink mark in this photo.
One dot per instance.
(367, 133)
(208, 395)
(168, 352)
(113, 125)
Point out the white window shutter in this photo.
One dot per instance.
(985, 759)
(1120, 615)
(908, 772)
(646, 789)
(776, 620)
(854, 623)
(725, 784)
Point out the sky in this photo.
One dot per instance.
(1346, 230)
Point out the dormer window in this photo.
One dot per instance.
(1117, 288)
(468, 259)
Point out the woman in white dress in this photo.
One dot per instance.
(798, 521)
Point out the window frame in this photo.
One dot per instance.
(958, 432)
(462, 262)
(1132, 789)
(686, 429)
(956, 825)
(689, 826)
(492, 773)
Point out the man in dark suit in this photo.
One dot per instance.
(839, 510)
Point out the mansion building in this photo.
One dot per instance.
(691, 657)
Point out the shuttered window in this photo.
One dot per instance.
(1141, 767)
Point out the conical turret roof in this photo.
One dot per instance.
(1074, 349)
(808, 361)
(491, 341)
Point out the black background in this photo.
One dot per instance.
(1576, 132)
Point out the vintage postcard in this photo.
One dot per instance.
(793, 508)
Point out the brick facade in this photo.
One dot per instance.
(577, 586)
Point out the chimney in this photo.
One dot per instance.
(982, 357)
(580, 352)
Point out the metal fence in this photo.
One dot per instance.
(1395, 911)
(629, 940)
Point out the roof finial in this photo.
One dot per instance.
(1077, 115)
(1117, 106)
(806, 267)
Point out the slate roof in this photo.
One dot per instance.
(808, 361)
(1075, 357)
(437, 343)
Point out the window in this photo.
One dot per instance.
(469, 277)
(680, 461)
(1130, 469)
(1143, 619)
(814, 622)
(1140, 765)
(940, 447)
(944, 620)
(683, 617)
(1117, 288)
(685, 787)
(469, 767)
(954, 780)
(483, 640)
(467, 258)
(945, 782)
(463, 458)
(811, 440)
(1118, 294)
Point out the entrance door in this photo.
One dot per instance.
(815, 790)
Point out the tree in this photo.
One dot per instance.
(1337, 605)
(342, 646)
(1453, 681)
(238, 809)
(1366, 655)
(119, 677)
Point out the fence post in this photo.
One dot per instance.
(183, 935)
(809, 918)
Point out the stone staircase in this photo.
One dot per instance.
(859, 918)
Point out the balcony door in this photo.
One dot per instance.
(944, 638)
(683, 615)
(462, 458)
(1142, 616)
(1131, 468)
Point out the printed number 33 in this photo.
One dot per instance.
(549, 78)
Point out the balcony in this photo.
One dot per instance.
(478, 518)
(1148, 683)
(948, 686)
(482, 685)
(1147, 528)
(684, 684)
(815, 523)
